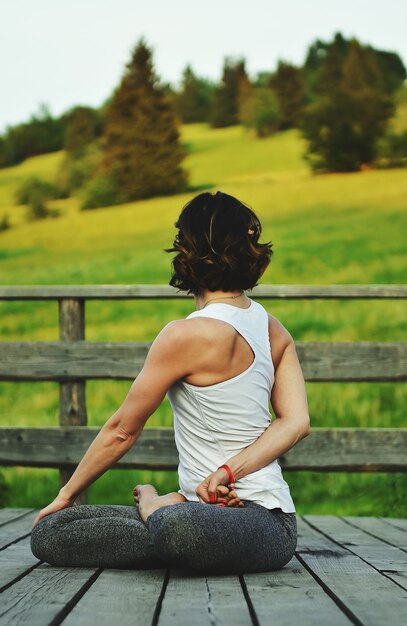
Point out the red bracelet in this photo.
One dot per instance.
(229, 471)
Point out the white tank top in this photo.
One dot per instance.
(215, 422)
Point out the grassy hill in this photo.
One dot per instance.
(338, 228)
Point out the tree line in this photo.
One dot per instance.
(341, 99)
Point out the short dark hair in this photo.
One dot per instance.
(217, 245)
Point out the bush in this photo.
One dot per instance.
(260, 111)
(100, 191)
(37, 208)
(392, 150)
(34, 186)
(76, 170)
(83, 127)
(35, 192)
(5, 222)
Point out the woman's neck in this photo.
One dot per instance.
(235, 298)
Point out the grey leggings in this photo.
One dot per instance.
(189, 535)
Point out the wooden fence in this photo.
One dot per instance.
(71, 361)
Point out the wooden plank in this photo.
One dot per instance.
(70, 361)
(15, 561)
(94, 292)
(349, 361)
(398, 523)
(45, 594)
(356, 587)
(388, 559)
(125, 597)
(327, 292)
(7, 515)
(72, 402)
(64, 447)
(16, 529)
(349, 450)
(380, 528)
(136, 292)
(325, 449)
(192, 600)
(320, 361)
(291, 595)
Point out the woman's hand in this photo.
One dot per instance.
(215, 489)
(57, 505)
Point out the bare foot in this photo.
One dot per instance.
(227, 497)
(148, 500)
(233, 499)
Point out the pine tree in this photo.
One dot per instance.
(193, 102)
(331, 71)
(369, 106)
(325, 59)
(322, 68)
(142, 153)
(231, 94)
(344, 125)
(289, 87)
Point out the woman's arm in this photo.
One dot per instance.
(292, 423)
(165, 363)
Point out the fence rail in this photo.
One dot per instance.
(68, 361)
(148, 292)
(329, 449)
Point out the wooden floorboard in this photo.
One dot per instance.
(347, 570)
(15, 561)
(398, 523)
(7, 515)
(17, 529)
(43, 595)
(368, 596)
(378, 527)
(203, 601)
(292, 596)
(125, 597)
(387, 551)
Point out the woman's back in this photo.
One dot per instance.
(213, 422)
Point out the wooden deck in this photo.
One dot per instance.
(347, 570)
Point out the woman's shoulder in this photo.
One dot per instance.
(194, 328)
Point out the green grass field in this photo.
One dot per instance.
(338, 228)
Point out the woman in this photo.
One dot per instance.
(221, 366)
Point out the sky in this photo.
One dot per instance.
(67, 52)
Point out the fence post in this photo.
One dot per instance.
(72, 404)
